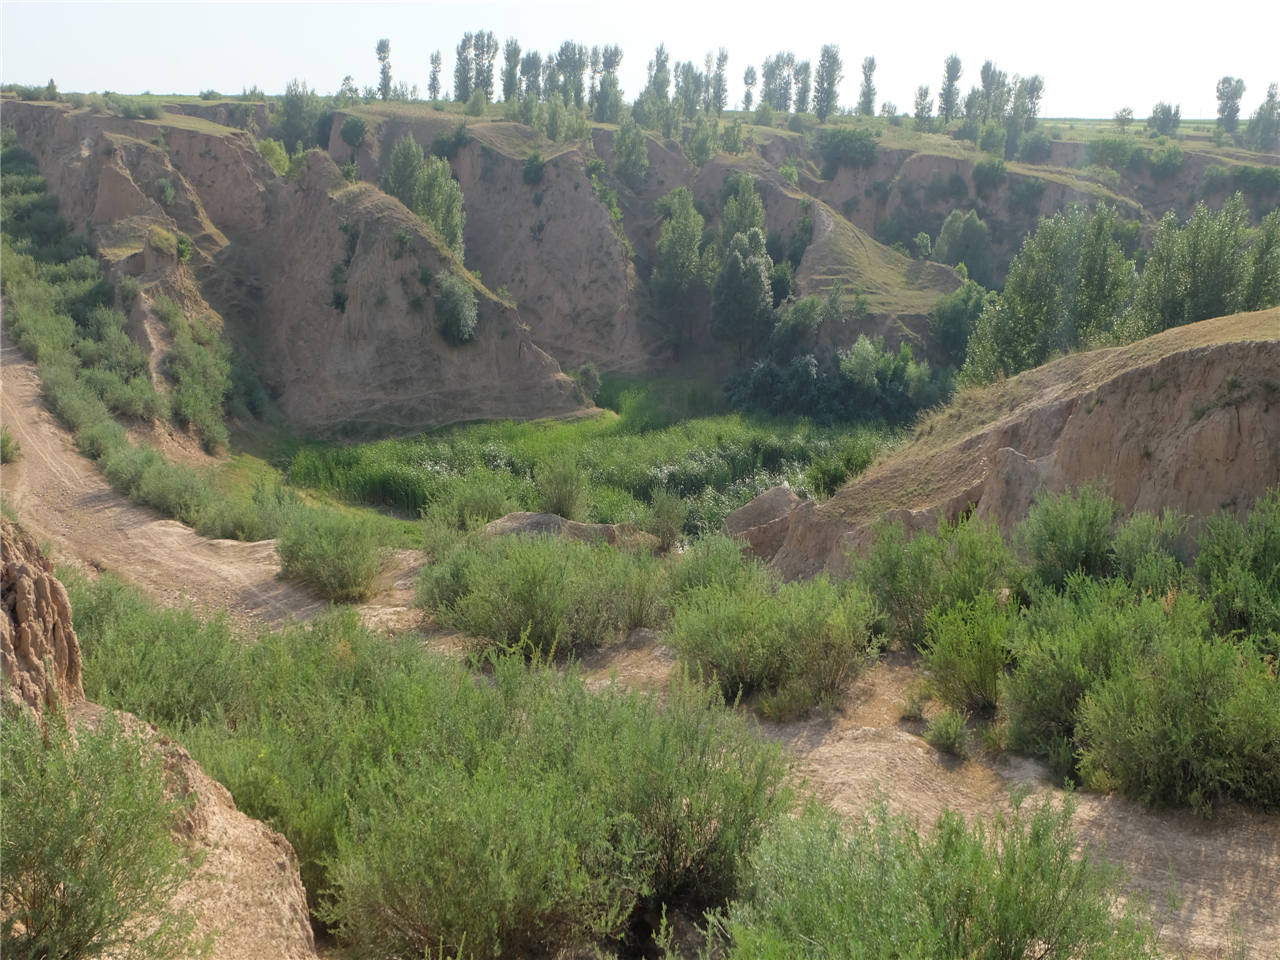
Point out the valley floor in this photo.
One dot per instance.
(1211, 884)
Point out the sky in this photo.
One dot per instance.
(1095, 58)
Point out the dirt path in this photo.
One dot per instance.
(61, 498)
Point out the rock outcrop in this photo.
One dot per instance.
(39, 653)
(1186, 420)
(762, 524)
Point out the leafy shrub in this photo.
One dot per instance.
(987, 175)
(456, 310)
(846, 147)
(544, 596)
(527, 809)
(948, 732)
(1113, 152)
(1035, 148)
(534, 167)
(165, 191)
(966, 652)
(712, 559)
(1216, 179)
(798, 645)
(823, 889)
(1197, 724)
(1166, 160)
(1065, 532)
(1239, 567)
(667, 518)
(909, 578)
(562, 489)
(274, 153)
(90, 862)
(10, 450)
(336, 554)
(1148, 550)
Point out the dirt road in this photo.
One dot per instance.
(61, 498)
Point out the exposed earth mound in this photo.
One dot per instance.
(247, 891)
(1185, 420)
(551, 525)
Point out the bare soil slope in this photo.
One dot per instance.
(1188, 419)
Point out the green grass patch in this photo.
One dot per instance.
(10, 449)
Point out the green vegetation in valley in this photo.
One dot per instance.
(527, 809)
(10, 450)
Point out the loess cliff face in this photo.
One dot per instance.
(266, 249)
(1187, 420)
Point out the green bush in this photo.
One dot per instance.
(846, 147)
(562, 489)
(1239, 568)
(821, 888)
(948, 732)
(710, 560)
(1197, 724)
(987, 175)
(545, 596)
(534, 167)
(909, 578)
(1166, 160)
(1065, 532)
(666, 522)
(10, 450)
(1148, 550)
(336, 554)
(456, 309)
(90, 863)
(274, 153)
(797, 645)
(966, 652)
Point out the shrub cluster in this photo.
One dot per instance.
(431, 812)
(1098, 649)
(820, 889)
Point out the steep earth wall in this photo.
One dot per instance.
(1186, 420)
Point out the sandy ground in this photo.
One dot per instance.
(1213, 885)
(65, 502)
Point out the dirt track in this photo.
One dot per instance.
(1212, 884)
(63, 500)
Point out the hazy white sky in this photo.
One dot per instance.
(1095, 55)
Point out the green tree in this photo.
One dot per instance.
(631, 153)
(384, 68)
(609, 100)
(955, 316)
(743, 208)
(802, 73)
(749, 85)
(428, 189)
(1263, 131)
(924, 109)
(1263, 287)
(1230, 90)
(1124, 117)
(742, 299)
(90, 863)
(719, 93)
(484, 51)
(354, 131)
(511, 70)
(677, 276)
(300, 110)
(1066, 288)
(949, 95)
(1164, 119)
(703, 141)
(826, 82)
(531, 75)
(463, 69)
(456, 310)
(433, 84)
(1196, 271)
(964, 238)
(867, 93)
